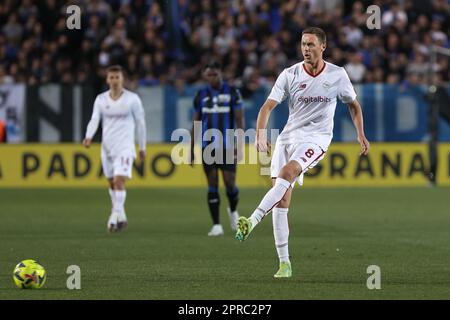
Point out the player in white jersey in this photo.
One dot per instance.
(120, 111)
(312, 87)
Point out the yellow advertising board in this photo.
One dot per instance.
(71, 165)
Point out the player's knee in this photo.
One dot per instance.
(290, 171)
(119, 184)
(230, 185)
(213, 181)
(229, 180)
(286, 175)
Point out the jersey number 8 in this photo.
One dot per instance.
(309, 153)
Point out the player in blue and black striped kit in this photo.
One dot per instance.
(219, 107)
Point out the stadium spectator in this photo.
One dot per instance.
(394, 16)
(355, 68)
(244, 35)
(13, 30)
(4, 78)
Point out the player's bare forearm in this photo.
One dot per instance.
(264, 114)
(191, 154)
(195, 118)
(191, 160)
(261, 125)
(239, 118)
(239, 150)
(357, 118)
(358, 121)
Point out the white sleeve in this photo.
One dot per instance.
(139, 118)
(279, 89)
(346, 92)
(95, 120)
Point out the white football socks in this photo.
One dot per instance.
(111, 194)
(119, 204)
(281, 232)
(270, 200)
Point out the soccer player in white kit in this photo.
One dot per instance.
(120, 111)
(312, 87)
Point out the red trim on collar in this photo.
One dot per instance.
(306, 70)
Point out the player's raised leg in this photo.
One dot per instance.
(229, 178)
(282, 184)
(281, 235)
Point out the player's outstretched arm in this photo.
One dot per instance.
(357, 118)
(196, 117)
(240, 146)
(261, 143)
(93, 125)
(276, 96)
(240, 123)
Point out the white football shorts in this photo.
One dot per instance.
(307, 154)
(121, 165)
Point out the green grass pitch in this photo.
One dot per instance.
(165, 253)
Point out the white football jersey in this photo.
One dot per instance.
(312, 102)
(118, 122)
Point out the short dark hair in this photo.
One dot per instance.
(316, 31)
(213, 65)
(115, 68)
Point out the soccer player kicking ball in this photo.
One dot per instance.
(312, 87)
(120, 110)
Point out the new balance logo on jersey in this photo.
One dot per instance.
(314, 99)
(302, 86)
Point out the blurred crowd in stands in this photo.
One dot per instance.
(168, 41)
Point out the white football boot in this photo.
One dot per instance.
(112, 222)
(216, 230)
(122, 221)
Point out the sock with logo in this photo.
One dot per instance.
(214, 204)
